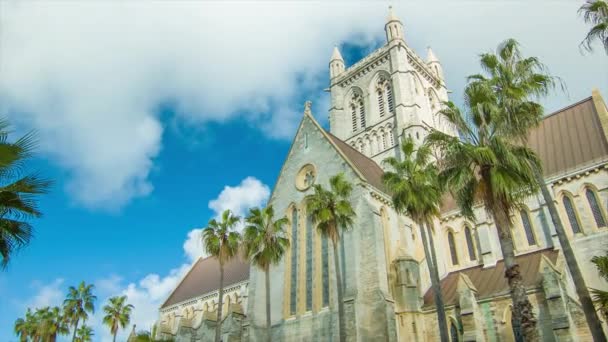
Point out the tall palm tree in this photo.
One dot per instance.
(485, 165)
(332, 212)
(601, 297)
(79, 302)
(25, 328)
(84, 334)
(117, 314)
(414, 184)
(515, 82)
(595, 12)
(18, 192)
(221, 241)
(265, 242)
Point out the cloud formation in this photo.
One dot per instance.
(91, 76)
(248, 194)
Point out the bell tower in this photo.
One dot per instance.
(387, 95)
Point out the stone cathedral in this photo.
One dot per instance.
(375, 103)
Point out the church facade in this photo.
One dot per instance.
(375, 103)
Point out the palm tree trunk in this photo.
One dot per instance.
(268, 331)
(431, 262)
(114, 337)
(524, 323)
(341, 323)
(220, 302)
(577, 276)
(75, 328)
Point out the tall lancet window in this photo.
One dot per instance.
(325, 271)
(385, 97)
(596, 210)
(470, 246)
(309, 228)
(357, 110)
(452, 245)
(571, 213)
(294, 262)
(525, 221)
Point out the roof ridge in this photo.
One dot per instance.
(568, 107)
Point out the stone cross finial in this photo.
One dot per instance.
(307, 105)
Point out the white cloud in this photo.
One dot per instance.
(239, 199)
(46, 295)
(90, 76)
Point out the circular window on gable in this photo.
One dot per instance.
(306, 177)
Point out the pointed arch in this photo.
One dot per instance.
(571, 212)
(468, 233)
(452, 247)
(594, 204)
(293, 279)
(356, 106)
(526, 222)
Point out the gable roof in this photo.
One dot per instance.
(491, 281)
(567, 140)
(204, 277)
(364, 167)
(370, 170)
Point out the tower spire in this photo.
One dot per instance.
(434, 63)
(393, 27)
(336, 63)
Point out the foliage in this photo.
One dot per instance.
(79, 302)
(18, 192)
(595, 12)
(219, 238)
(264, 239)
(413, 182)
(145, 336)
(84, 334)
(331, 209)
(117, 314)
(599, 296)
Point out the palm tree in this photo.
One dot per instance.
(26, 328)
(84, 334)
(514, 80)
(595, 12)
(332, 212)
(221, 241)
(117, 314)
(79, 302)
(264, 243)
(18, 192)
(415, 189)
(484, 165)
(50, 324)
(601, 297)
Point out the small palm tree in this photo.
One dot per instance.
(515, 81)
(117, 314)
(332, 212)
(26, 328)
(265, 242)
(84, 334)
(79, 302)
(595, 12)
(18, 192)
(599, 296)
(221, 241)
(51, 323)
(414, 184)
(484, 165)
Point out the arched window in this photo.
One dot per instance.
(383, 135)
(571, 212)
(294, 262)
(324, 272)
(470, 246)
(362, 114)
(309, 261)
(391, 137)
(453, 252)
(596, 209)
(385, 97)
(454, 333)
(525, 221)
(353, 110)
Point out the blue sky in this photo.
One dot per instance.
(151, 128)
